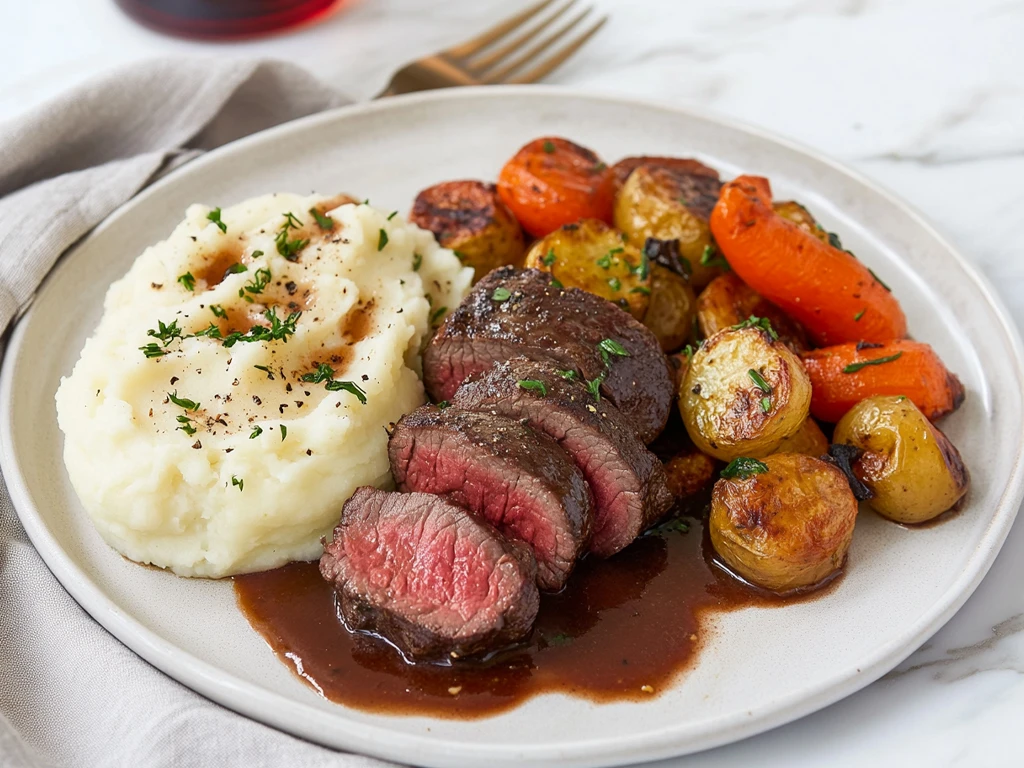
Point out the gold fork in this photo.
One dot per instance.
(492, 58)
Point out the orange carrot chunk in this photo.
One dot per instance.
(843, 375)
(826, 289)
(552, 182)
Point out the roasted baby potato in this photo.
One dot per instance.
(470, 218)
(672, 308)
(689, 472)
(913, 469)
(795, 213)
(669, 204)
(808, 440)
(622, 169)
(782, 523)
(593, 257)
(728, 301)
(743, 394)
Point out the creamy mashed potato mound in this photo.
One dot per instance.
(207, 453)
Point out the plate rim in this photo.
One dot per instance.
(258, 703)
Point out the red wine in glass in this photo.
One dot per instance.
(219, 19)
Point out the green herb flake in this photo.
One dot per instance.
(642, 289)
(260, 279)
(165, 333)
(417, 262)
(880, 281)
(759, 381)
(854, 367)
(558, 640)
(187, 281)
(615, 283)
(605, 262)
(611, 347)
(392, 215)
(186, 425)
(859, 315)
(210, 332)
(214, 216)
(548, 258)
(256, 432)
(594, 387)
(238, 481)
(325, 222)
(743, 468)
(533, 385)
(182, 402)
(347, 386)
(438, 315)
(556, 284)
(153, 350)
(289, 248)
(218, 310)
(762, 323)
(279, 330)
(443, 404)
(548, 146)
(236, 269)
(570, 375)
(834, 241)
(711, 257)
(766, 405)
(257, 254)
(323, 373)
(266, 370)
(674, 525)
(284, 432)
(382, 240)
(501, 294)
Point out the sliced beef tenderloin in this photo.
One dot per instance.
(519, 312)
(428, 576)
(501, 470)
(627, 481)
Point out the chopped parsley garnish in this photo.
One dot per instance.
(766, 404)
(257, 254)
(289, 248)
(688, 351)
(153, 350)
(594, 386)
(533, 385)
(548, 146)
(762, 323)
(325, 222)
(266, 370)
(548, 258)
(184, 419)
(260, 280)
(238, 481)
(417, 262)
(392, 215)
(759, 381)
(859, 315)
(214, 216)
(279, 330)
(284, 432)
(611, 347)
(675, 525)
(382, 240)
(711, 257)
(556, 284)
(218, 310)
(443, 404)
(558, 640)
(615, 283)
(187, 281)
(642, 289)
(236, 269)
(880, 281)
(605, 262)
(438, 315)
(570, 375)
(643, 271)
(743, 468)
(854, 367)
(324, 374)
(186, 425)
(834, 241)
(165, 334)
(210, 332)
(256, 432)
(501, 294)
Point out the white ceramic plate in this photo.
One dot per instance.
(763, 667)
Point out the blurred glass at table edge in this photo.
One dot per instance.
(226, 19)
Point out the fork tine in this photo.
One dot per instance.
(547, 67)
(496, 32)
(495, 56)
(501, 74)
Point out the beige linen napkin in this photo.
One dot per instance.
(70, 694)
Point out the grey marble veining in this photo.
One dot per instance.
(925, 96)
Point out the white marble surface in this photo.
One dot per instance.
(925, 96)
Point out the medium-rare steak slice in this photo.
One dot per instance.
(519, 312)
(628, 482)
(428, 576)
(501, 470)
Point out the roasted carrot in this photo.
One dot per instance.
(552, 182)
(843, 375)
(826, 289)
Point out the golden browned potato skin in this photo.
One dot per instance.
(669, 204)
(721, 404)
(689, 472)
(593, 257)
(622, 169)
(794, 212)
(808, 440)
(787, 528)
(728, 301)
(915, 472)
(470, 218)
(672, 309)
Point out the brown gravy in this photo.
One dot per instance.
(622, 629)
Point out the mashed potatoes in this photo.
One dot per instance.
(216, 421)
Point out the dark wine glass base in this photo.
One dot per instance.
(225, 19)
